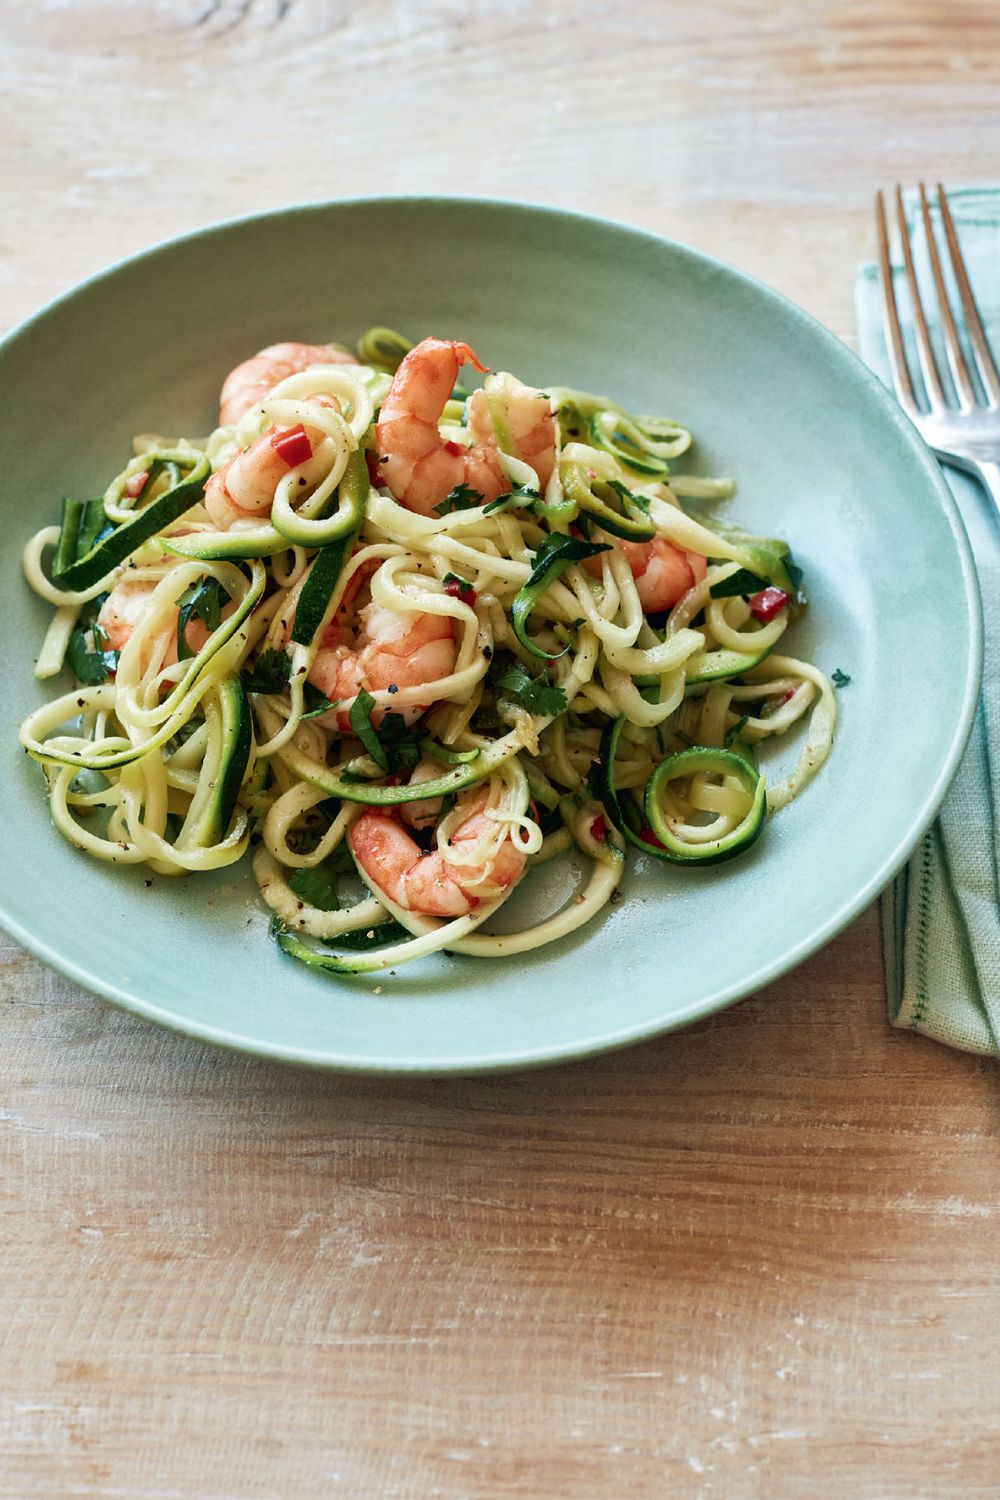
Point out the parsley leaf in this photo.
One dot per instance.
(269, 673)
(392, 747)
(316, 703)
(316, 886)
(536, 694)
(360, 717)
(401, 747)
(741, 582)
(521, 496)
(87, 654)
(839, 678)
(462, 497)
(202, 601)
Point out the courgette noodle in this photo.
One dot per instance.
(548, 698)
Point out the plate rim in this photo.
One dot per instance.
(629, 1035)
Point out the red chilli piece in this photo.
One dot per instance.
(137, 484)
(292, 446)
(453, 448)
(788, 695)
(649, 837)
(461, 591)
(768, 603)
(598, 829)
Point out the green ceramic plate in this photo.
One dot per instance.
(822, 457)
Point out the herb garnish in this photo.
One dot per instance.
(462, 497)
(269, 673)
(742, 582)
(521, 497)
(202, 601)
(316, 886)
(536, 694)
(392, 747)
(88, 654)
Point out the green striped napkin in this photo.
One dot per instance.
(941, 915)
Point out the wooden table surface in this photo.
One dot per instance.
(757, 1258)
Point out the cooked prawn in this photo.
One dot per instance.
(390, 650)
(393, 863)
(123, 609)
(663, 572)
(244, 487)
(526, 418)
(250, 381)
(416, 462)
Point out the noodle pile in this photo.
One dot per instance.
(584, 721)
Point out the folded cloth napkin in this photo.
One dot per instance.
(941, 915)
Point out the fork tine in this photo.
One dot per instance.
(956, 359)
(928, 364)
(894, 340)
(977, 335)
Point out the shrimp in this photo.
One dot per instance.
(416, 463)
(525, 417)
(395, 865)
(244, 487)
(123, 609)
(391, 650)
(250, 382)
(425, 812)
(663, 573)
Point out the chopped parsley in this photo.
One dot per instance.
(462, 497)
(316, 886)
(536, 694)
(88, 655)
(202, 601)
(839, 678)
(521, 497)
(742, 582)
(360, 717)
(269, 673)
(402, 748)
(316, 703)
(392, 746)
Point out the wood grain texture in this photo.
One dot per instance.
(754, 1259)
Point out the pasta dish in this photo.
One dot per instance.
(382, 624)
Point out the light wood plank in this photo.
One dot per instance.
(753, 1259)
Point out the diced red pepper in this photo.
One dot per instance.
(649, 837)
(453, 448)
(768, 603)
(789, 694)
(598, 828)
(459, 590)
(292, 446)
(137, 484)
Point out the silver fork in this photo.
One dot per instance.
(962, 429)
